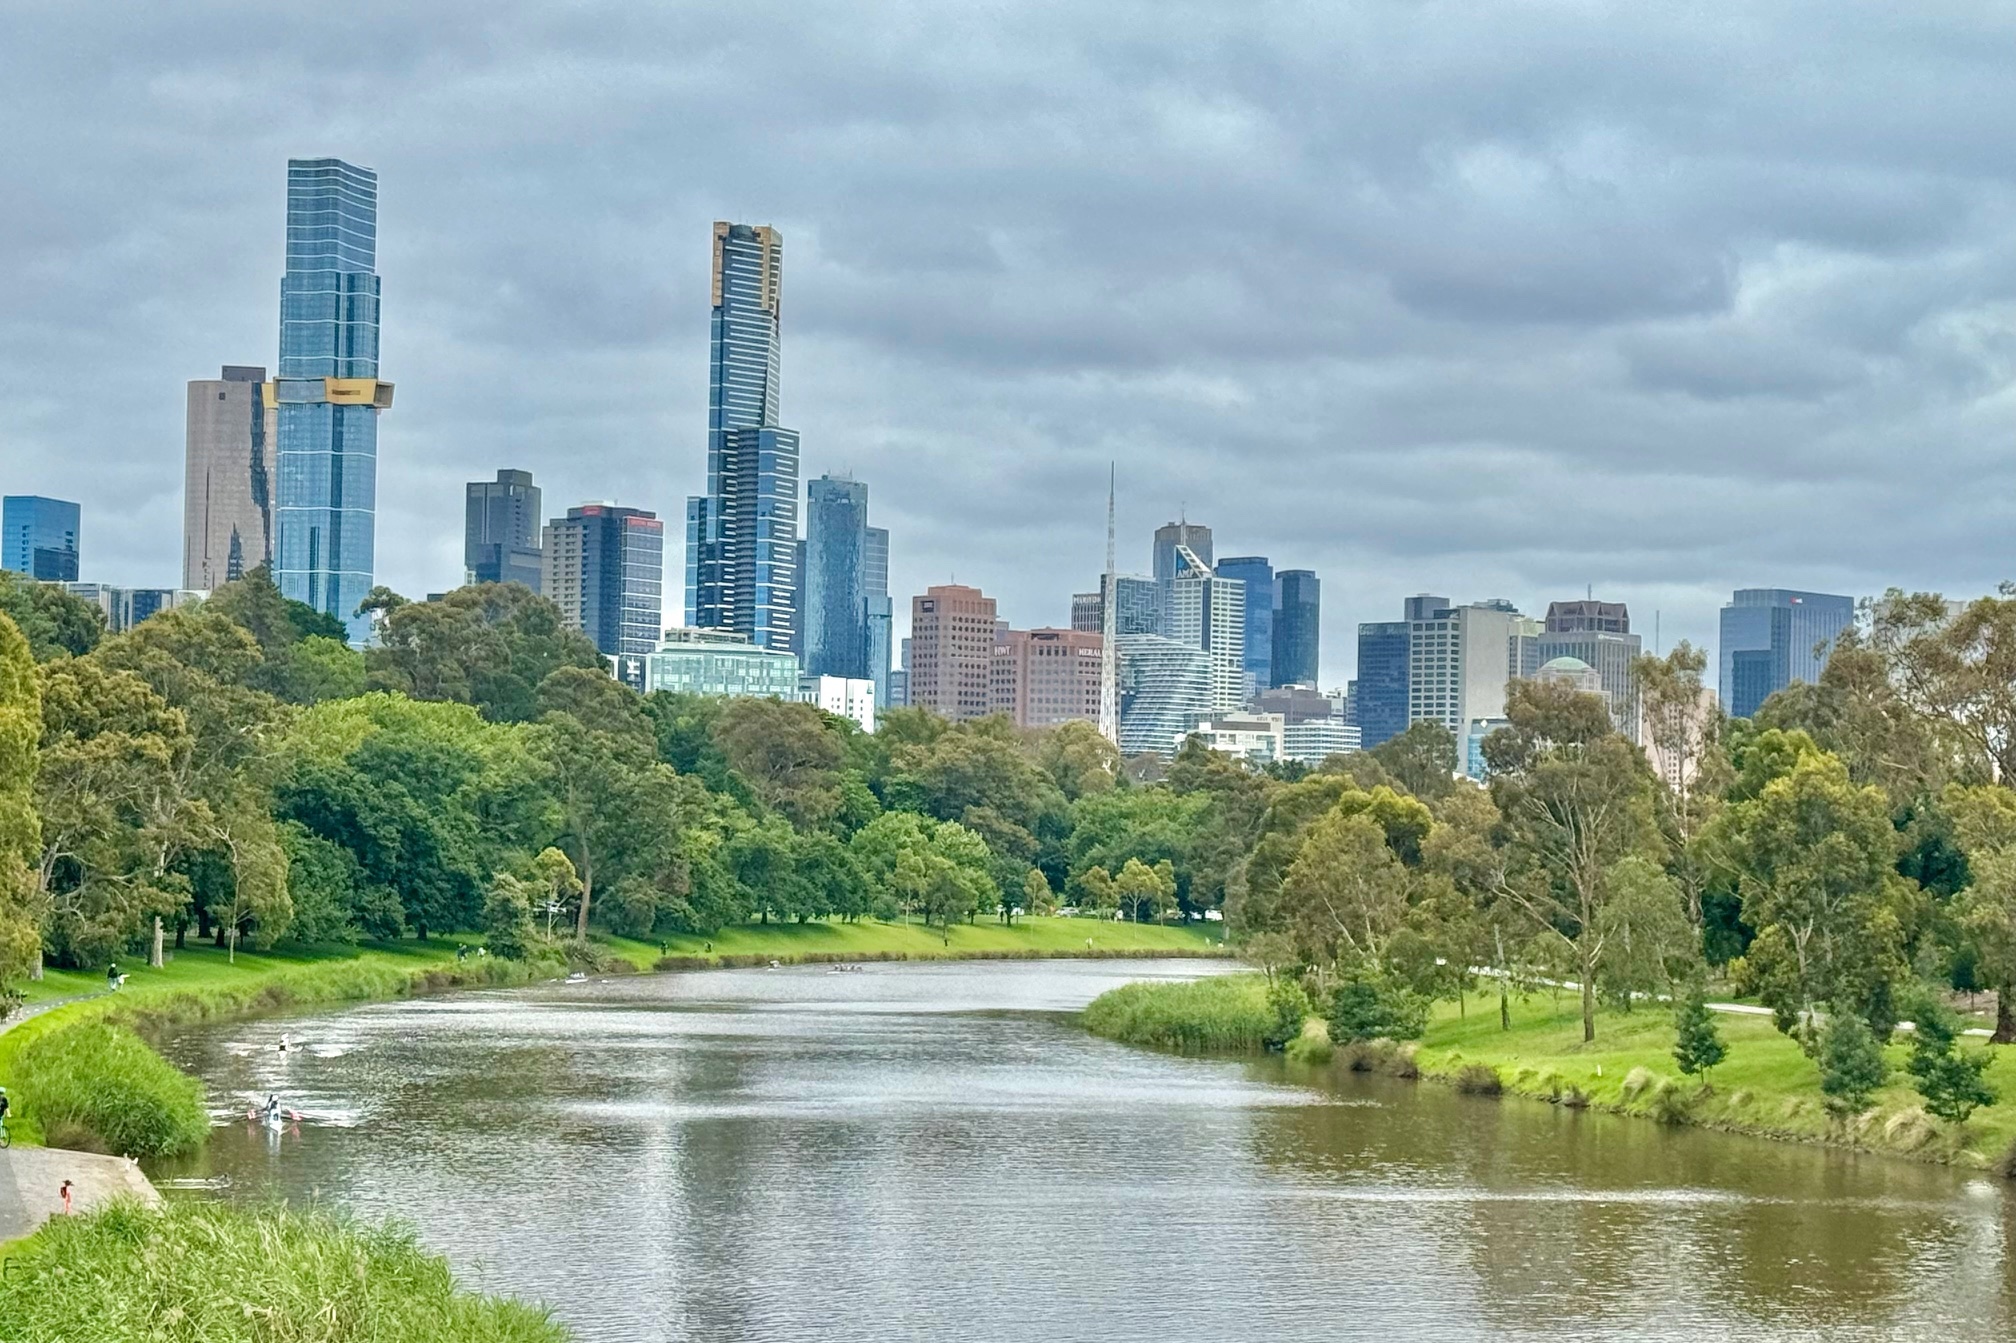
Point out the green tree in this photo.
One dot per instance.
(1143, 889)
(1078, 759)
(1037, 897)
(1422, 759)
(507, 917)
(1985, 818)
(1852, 1069)
(1345, 895)
(1697, 1044)
(1649, 944)
(490, 645)
(1683, 725)
(1950, 1081)
(1370, 1006)
(20, 825)
(788, 754)
(54, 623)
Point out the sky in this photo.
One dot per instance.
(1515, 299)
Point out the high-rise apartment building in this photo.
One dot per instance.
(834, 590)
(1257, 573)
(741, 536)
(1209, 612)
(604, 567)
(1040, 678)
(500, 538)
(1168, 537)
(1598, 634)
(39, 537)
(951, 643)
(327, 395)
(1459, 660)
(1297, 627)
(1772, 637)
(1379, 699)
(1166, 688)
(881, 613)
(227, 482)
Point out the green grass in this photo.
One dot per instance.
(873, 940)
(1765, 1087)
(208, 1273)
(97, 1087)
(1223, 1013)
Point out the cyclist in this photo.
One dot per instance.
(3, 1116)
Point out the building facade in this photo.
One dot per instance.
(1169, 536)
(834, 593)
(1317, 739)
(1298, 627)
(1256, 572)
(227, 481)
(1379, 701)
(842, 696)
(1043, 677)
(124, 608)
(951, 657)
(1256, 738)
(1165, 690)
(741, 536)
(1459, 660)
(1599, 634)
(711, 662)
(604, 567)
(1772, 637)
(327, 395)
(1209, 612)
(1137, 605)
(501, 531)
(40, 537)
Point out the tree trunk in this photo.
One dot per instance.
(587, 894)
(2005, 1015)
(1588, 1003)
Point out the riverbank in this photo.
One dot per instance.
(1765, 1088)
(202, 982)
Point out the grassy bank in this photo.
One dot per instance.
(1765, 1088)
(201, 982)
(1222, 1014)
(97, 1087)
(208, 1273)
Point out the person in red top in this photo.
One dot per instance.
(65, 1191)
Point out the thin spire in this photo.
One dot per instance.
(1109, 680)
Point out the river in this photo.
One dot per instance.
(934, 1151)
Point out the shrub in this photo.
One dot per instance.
(1478, 1079)
(1312, 1046)
(1671, 1103)
(98, 1086)
(1949, 1081)
(1697, 1045)
(1372, 1007)
(1290, 1008)
(209, 1271)
(1851, 1063)
(1220, 1012)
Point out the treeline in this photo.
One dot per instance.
(234, 769)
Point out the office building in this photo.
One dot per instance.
(1137, 604)
(1255, 738)
(1256, 572)
(39, 537)
(834, 591)
(1296, 703)
(1459, 660)
(1169, 537)
(1317, 739)
(742, 535)
(1598, 634)
(1165, 689)
(1209, 612)
(501, 532)
(881, 610)
(951, 651)
(124, 608)
(711, 662)
(604, 567)
(842, 696)
(327, 395)
(227, 480)
(1470, 746)
(1379, 700)
(1772, 637)
(1297, 627)
(899, 680)
(1043, 677)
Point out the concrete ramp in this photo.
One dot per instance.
(31, 1184)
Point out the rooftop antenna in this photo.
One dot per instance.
(1109, 680)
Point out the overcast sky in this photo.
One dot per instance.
(1496, 299)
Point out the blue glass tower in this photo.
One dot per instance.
(327, 395)
(38, 537)
(1298, 631)
(741, 536)
(1257, 573)
(1379, 698)
(1772, 637)
(835, 579)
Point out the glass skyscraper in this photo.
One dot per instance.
(1379, 695)
(327, 394)
(1257, 573)
(500, 530)
(1772, 637)
(1298, 631)
(835, 578)
(38, 537)
(741, 536)
(603, 566)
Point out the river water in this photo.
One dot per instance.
(933, 1151)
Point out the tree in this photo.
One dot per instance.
(1683, 724)
(489, 644)
(1986, 820)
(20, 826)
(507, 917)
(1369, 1006)
(1345, 895)
(1649, 944)
(1422, 759)
(1037, 897)
(1139, 887)
(1576, 797)
(1950, 1081)
(788, 754)
(1852, 1069)
(1078, 759)
(1697, 1044)
(54, 623)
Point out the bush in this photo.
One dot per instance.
(1949, 1081)
(1851, 1063)
(209, 1271)
(1220, 1013)
(1478, 1079)
(99, 1087)
(1312, 1046)
(1375, 1008)
(1290, 1007)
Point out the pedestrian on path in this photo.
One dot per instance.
(65, 1191)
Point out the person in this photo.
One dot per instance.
(3, 1105)
(272, 1107)
(65, 1192)
(112, 978)
(285, 1044)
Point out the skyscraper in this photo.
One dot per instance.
(1040, 678)
(227, 484)
(741, 536)
(1209, 612)
(1459, 660)
(1772, 637)
(1298, 602)
(951, 651)
(1166, 688)
(835, 580)
(500, 538)
(1379, 699)
(604, 567)
(39, 537)
(1257, 573)
(1598, 634)
(1138, 607)
(881, 613)
(1169, 536)
(327, 393)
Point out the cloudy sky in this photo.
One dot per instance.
(1496, 299)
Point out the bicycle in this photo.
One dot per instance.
(4, 1139)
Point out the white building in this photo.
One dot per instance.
(126, 607)
(1209, 612)
(1256, 738)
(1317, 739)
(1165, 690)
(1459, 659)
(841, 696)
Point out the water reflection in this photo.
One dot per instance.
(930, 1152)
